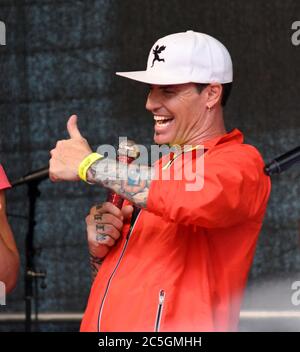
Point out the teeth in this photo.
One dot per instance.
(162, 118)
(163, 122)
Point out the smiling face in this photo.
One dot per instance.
(179, 112)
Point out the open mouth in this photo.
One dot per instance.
(162, 120)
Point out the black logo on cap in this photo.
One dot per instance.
(158, 49)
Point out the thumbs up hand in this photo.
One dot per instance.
(72, 128)
(68, 154)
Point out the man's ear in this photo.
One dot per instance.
(214, 95)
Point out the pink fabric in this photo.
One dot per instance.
(4, 183)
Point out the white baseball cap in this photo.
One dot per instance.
(185, 57)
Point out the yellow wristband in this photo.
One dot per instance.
(86, 163)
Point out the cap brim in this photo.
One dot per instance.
(151, 78)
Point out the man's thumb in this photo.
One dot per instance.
(126, 211)
(73, 128)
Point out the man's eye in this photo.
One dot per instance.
(168, 91)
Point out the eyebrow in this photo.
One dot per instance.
(170, 86)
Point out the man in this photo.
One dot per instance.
(183, 263)
(9, 257)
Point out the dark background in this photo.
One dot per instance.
(60, 58)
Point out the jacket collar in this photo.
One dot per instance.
(235, 136)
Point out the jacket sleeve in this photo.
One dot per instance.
(234, 189)
(4, 183)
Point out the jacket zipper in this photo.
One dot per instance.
(114, 271)
(161, 300)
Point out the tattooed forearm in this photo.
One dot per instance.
(130, 181)
(95, 263)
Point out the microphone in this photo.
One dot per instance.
(128, 151)
(283, 162)
(37, 175)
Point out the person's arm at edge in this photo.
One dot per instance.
(9, 256)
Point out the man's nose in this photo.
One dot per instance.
(153, 102)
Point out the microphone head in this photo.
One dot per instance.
(128, 148)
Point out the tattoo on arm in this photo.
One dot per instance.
(131, 181)
(95, 263)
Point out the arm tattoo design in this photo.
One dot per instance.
(131, 181)
(95, 264)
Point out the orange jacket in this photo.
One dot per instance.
(184, 264)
